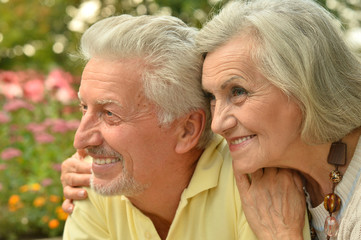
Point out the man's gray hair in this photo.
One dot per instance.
(172, 65)
(298, 47)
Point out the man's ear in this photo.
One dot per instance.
(190, 131)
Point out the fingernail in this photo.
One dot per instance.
(70, 209)
(81, 193)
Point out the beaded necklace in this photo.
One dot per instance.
(332, 202)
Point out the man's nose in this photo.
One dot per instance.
(88, 133)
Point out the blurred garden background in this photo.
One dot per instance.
(39, 78)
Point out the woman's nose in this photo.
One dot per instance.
(222, 119)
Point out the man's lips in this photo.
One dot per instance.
(105, 167)
(103, 161)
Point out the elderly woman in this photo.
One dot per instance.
(285, 92)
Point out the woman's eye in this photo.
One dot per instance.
(238, 91)
(109, 114)
(238, 95)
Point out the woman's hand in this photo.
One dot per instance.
(75, 173)
(273, 202)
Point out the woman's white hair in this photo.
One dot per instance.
(298, 47)
(172, 65)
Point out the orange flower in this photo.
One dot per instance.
(14, 199)
(53, 223)
(61, 214)
(24, 188)
(39, 201)
(45, 219)
(54, 199)
(35, 187)
(15, 203)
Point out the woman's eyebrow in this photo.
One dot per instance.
(230, 81)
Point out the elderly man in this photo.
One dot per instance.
(159, 171)
(146, 127)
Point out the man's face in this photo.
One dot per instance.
(120, 128)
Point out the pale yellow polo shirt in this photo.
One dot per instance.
(209, 208)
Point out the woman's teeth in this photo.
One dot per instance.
(240, 140)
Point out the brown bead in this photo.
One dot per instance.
(338, 153)
(335, 176)
(332, 202)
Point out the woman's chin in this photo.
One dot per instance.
(241, 167)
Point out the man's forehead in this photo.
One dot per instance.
(98, 67)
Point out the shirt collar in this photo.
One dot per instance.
(208, 168)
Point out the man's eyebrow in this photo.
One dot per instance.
(103, 101)
(108, 101)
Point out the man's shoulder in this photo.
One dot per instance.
(218, 147)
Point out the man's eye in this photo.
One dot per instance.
(111, 118)
(83, 108)
(238, 91)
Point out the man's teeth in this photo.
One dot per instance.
(240, 140)
(105, 161)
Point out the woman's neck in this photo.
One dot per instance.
(316, 170)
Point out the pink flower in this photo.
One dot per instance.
(16, 138)
(43, 137)
(57, 167)
(59, 126)
(65, 95)
(73, 124)
(10, 152)
(48, 122)
(9, 76)
(46, 182)
(16, 104)
(58, 79)
(4, 117)
(59, 83)
(11, 90)
(36, 128)
(3, 166)
(34, 90)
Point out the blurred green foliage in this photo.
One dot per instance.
(44, 34)
(38, 118)
(29, 29)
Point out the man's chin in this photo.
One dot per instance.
(102, 187)
(117, 186)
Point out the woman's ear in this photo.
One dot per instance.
(190, 131)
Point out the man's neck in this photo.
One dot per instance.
(160, 201)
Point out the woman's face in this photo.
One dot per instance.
(260, 123)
